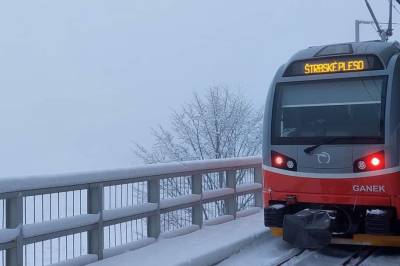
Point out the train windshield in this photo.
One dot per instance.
(315, 111)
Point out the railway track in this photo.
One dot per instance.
(272, 251)
(332, 255)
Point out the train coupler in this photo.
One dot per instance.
(308, 228)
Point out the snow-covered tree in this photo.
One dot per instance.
(219, 124)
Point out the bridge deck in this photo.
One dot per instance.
(245, 241)
(203, 247)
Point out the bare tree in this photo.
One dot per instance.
(220, 124)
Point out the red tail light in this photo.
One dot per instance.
(375, 161)
(278, 160)
(281, 161)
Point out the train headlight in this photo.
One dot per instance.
(282, 161)
(375, 161)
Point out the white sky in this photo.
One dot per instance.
(81, 80)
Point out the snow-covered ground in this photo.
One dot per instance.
(271, 251)
(246, 241)
(266, 250)
(207, 246)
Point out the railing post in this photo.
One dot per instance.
(95, 203)
(153, 196)
(258, 178)
(230, 203)
(15, 219)
(197, 210)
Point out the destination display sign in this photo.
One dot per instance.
(333, 65)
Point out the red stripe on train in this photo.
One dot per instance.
(382, 190)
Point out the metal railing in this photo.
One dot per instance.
(85, 217)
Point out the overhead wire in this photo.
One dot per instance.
(394, 25)
(397, 11)
(395, 8)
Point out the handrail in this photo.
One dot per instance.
(16, 191)
(18, 183)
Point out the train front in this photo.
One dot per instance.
(331, 146)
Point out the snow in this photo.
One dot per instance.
(167, 203)
(376, 212)
(30, 230)
(203, 247)
(128, 211)
(277, 206)
(219, 220)
(247, 212)
(248, 187)
(79, 261)
(331, 255)
(7, 235)
(386, 257)
(218, 193)
(110, 252)
(180, 232)
(265, 250)
(12, 184)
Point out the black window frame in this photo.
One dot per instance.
(341, 139)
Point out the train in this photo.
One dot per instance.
(331, 146)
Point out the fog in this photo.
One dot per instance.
(81, 81)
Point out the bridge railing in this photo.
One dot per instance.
(84, 217)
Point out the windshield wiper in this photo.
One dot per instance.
(329, 141)
(308, 150)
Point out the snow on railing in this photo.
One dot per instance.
(82, 217)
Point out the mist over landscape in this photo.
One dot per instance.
(81, 81)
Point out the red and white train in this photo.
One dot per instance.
(331, 151)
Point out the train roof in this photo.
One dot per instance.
(384, 50)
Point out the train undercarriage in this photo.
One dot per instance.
(308, 225)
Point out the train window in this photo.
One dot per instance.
(335, 49)
(309, 112)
